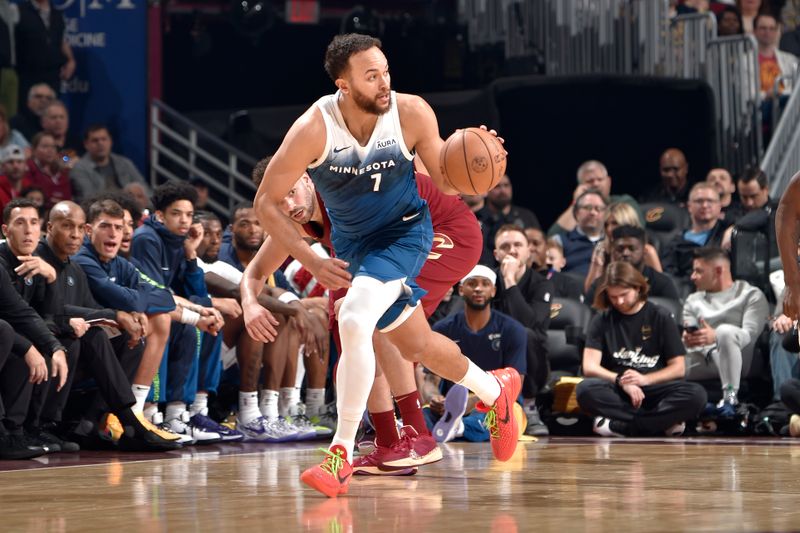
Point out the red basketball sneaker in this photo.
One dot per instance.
(332, 476)
(500, 419)
(373, 464)
(413, 449)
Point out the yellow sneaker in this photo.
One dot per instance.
(111, 427)
(166, 435)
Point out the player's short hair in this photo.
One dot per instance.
(584, 194)
(755, 174)
(619, 274)
(505, 228)
(104, 207)
(625, 231)
(124, 199)
(238, 207)
(170, 192)
(711, 253)
(201, 215)
(258, 171)
(21, 202)
(95, 128)
(342, 47)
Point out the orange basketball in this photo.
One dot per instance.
(472, 160)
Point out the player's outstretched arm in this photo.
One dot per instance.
(303, 144)
(421, 133)
(787, 229)
(259, 321)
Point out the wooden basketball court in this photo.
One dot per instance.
(556, 484)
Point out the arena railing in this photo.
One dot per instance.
(181, 149)
(633, 37)
(733, 73)
(782, 159)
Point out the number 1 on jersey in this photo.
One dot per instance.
(377, 178)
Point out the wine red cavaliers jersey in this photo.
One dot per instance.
(457, 242)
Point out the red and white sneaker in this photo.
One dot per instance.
(500, 419)
(332, 476)
(374, 464)
(412, 449)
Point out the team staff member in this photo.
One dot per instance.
(110, 364)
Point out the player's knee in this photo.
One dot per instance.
(352, 326)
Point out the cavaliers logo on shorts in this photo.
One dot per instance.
(440, 242)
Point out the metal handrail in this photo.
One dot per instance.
(180, 148)
(782, 159)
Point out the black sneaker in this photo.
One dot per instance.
(15, 447)
(33, 438)
(51, 434)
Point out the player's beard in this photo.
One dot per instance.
(475, 306)
(369, 105)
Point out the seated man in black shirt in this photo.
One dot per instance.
(627, 244)
(525, 295)
(634, 363)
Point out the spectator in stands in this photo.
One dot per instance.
(139, 193)
(592, 175)
(537, 247)
(634, 363)
(618, 215)
(749, 10)
(14, 167)
(551, 259)
(33, 280)
(165, 247)
(706, 229)
(492, 340)
(673, 188)
(110, 364)
(10, 136)
(28, 120)
(55, 121)
(101, 169)
(773, 63)
(729, 22)
(475, 202)
(524, 295)
(498, 212)
(35, 195)
(627, 245)
(43, 54)
(46, 171)
(9, 16)
(721, 179)
(589, 210)
(784, 365)
(722, 321)
(758, 209)
(202, 191)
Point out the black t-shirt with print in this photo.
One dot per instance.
(643, 341)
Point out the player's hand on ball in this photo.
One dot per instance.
(493, 132)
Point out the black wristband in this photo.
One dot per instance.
(616, 380)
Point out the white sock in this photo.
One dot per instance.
(150, 411)
(140, 392)
(248, 407)
(483, 384)
(174, 410)
(200, 403)
(460, 430)
(301, 367)
(315, 402)
(289, 397)
(269, 404)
